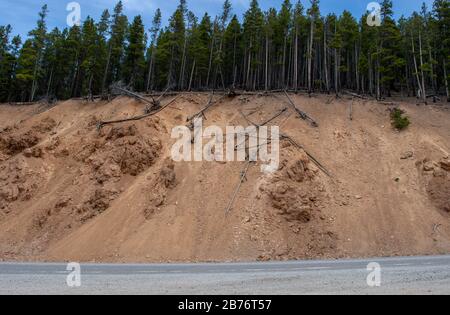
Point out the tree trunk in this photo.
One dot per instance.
(415, 66)
(325, 59)
(446, 81)
(105, 76)
(378, 74)
(283, 67)
(370, 74)
(357, 68)
(210, 59)
(49, 83)
(295, 81)
(183, 64)
(336, 65)
(150, 68)
(424, 92)
(234, 62)
(192, 75)
(35, 71)
(267, 64)
(311, 42)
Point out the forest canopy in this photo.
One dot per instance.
(289, 47)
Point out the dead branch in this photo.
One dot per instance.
(299, 146)
(265, 122)
(245, 171)
(117, 89)
(386, 103)
(101, 124)
(355, 95)
(301, 113)
(243, 177)
(208, 105)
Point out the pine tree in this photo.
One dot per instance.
(154, 30)
(282, 41)
(6, 62)
(134, 61)
(314, 14)
(441, 13)
(289, 48)
(349, 32)
(390, 61)
(233, 51)
(252, 35)
(200, 50)
(91, 64)
(177, 29)
(115, 46)
(38, 36)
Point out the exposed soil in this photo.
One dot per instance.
(71, 192)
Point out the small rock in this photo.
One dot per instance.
(428, 166)
(33, 152)
(407, 155)
(358, 197)
(439, 173)
(445, 164)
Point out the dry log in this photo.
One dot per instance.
(301, 113)
(103, 123)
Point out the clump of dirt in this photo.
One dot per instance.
(14, 143)
(45, 125)
(121, 150)
(17, 182)
(159, 187)
(437, 178)
(167, 174)
(97, 203)
(292, 189)
(118, 132)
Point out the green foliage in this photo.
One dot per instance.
(399, 121)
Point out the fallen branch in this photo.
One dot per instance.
(245, 171)
(259, 125)
(157, 102)
(208, 105)
(103, 123)
(355, 95)
(236, 191)
(301, 113)
(265, 122)
(386, 103)
(152, 105)
(299, 146)
(117, 89)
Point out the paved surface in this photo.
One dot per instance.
(413, 275)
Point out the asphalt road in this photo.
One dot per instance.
(405, 275)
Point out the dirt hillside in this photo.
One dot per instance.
(72, 192)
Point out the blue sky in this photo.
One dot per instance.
(22, 14)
